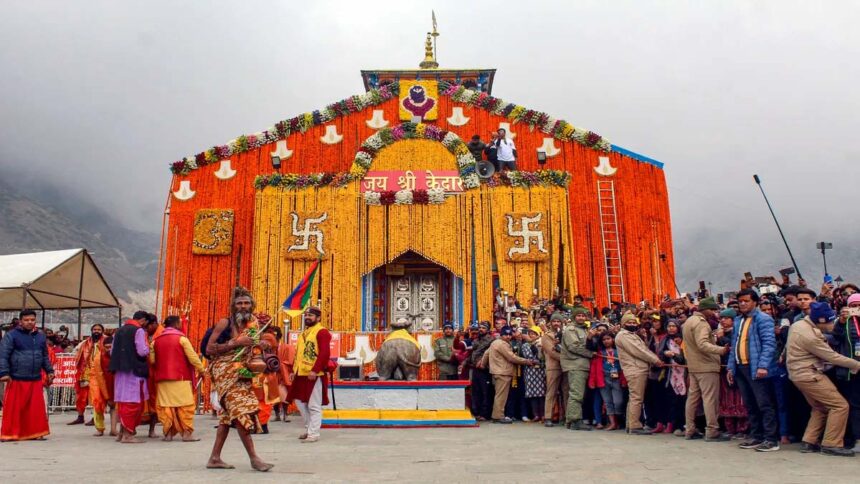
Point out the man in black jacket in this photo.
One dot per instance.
(129, 364)
(23, 358)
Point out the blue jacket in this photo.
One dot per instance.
(24, 355)
(762, 344)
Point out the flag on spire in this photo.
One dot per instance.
(300, 298)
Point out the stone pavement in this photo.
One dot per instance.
(491, 453)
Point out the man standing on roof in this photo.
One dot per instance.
(506, 151)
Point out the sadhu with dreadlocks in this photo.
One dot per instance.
(238, 402)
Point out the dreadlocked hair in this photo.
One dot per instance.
(239, 292)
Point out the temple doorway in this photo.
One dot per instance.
(416, 289)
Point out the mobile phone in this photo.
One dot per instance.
(787, 271)
(748, 276)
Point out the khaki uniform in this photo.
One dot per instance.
(807, 350)
(636, 360)
(703, 363)
(553, 373)
(502, 361)
(575, 363)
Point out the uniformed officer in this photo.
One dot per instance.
(703, 363)
(636, 360)
(443, 350)
(575, 362)
(807, 352)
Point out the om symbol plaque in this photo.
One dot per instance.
(213, 232)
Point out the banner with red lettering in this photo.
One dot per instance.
(65, 372)
(381, 181)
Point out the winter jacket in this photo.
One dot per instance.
(761, 340)
(23, 355)
(848, 336)
(633, 353)
(808, 352)
(703, 355)
(501, 359)
(574, 355)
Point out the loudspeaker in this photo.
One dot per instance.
(485, 169)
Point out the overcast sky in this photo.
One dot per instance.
(103, 95)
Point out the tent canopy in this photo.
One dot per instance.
(61, 279)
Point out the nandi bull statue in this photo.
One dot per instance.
(400, 355)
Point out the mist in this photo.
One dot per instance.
(98, 97)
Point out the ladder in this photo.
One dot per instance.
(611, 240)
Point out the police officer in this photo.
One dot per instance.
(807, 351)
(443, 350)
(575, 362)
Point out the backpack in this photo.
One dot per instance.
(204, 343)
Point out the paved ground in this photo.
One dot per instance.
(491, 453)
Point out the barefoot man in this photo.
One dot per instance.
(174, 361)
(238, 402)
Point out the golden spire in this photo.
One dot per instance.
(429, 61)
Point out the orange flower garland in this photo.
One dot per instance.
(641, 204)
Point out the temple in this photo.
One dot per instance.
(407, 222)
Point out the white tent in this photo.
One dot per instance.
(62, 279)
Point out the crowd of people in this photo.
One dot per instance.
(148, 372)
(763, 369)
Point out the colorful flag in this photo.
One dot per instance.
(301, 296)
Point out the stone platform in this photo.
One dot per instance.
(397, 404)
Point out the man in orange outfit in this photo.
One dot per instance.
(95, 372)
(83, 361)
(287, 357)
(174, 361)
(266, 384)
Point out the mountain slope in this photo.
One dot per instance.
(34, 221)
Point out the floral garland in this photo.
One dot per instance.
(386, 136)
(529, 179)
(296, 181)
(282, 129)
(559, 129)
(434, 196)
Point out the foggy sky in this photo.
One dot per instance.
(102, 96)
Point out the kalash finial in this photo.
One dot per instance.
(429, 61)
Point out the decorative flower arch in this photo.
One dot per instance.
(466, 163)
